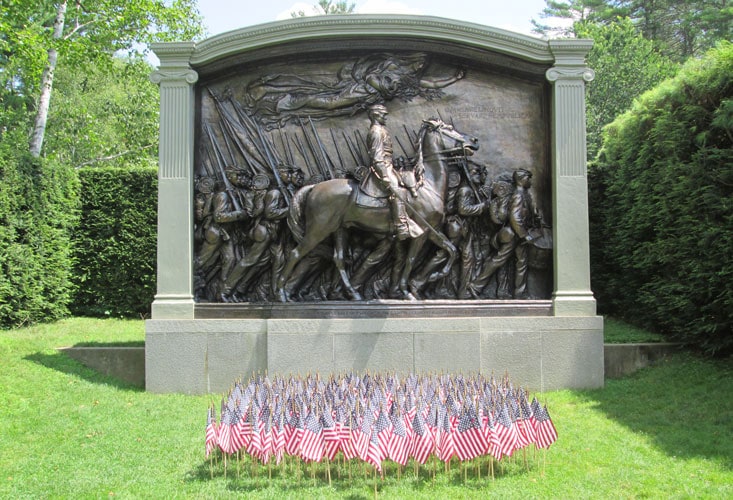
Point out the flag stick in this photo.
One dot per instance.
(375, 482)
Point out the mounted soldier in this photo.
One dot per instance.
(379, 143)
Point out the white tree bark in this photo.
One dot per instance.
(44, 101)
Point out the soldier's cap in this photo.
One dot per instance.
(260, 181)
(377, 108)
(522, 173)
(205, 185)
(454, 179)
(233, 169)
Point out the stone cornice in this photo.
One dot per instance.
(348, 26)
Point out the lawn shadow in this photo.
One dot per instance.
(243, 478)
(684, 404)
(61, 362)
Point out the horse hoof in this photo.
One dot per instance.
(414, 290)
(356, 296)
(283, 296)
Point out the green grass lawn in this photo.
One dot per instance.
(68, 432)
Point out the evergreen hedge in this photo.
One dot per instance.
(661, 212)
(115, 242)
(38, 209)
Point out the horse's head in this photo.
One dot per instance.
(449, 141)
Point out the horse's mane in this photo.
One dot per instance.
(431, 123)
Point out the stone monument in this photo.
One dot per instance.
(372, 192)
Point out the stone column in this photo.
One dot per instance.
(572, 295)
(174, 298)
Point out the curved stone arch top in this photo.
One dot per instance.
(324, 28)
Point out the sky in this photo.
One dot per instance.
(514, 15)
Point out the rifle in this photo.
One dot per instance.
(312, 149)
(270, 158)
(338, 153)
(217, 154)
(354, 155)
(329, 163)
(464, 164)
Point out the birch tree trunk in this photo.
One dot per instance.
(44, 101)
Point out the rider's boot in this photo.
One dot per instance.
(399, 217)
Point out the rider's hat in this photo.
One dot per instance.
(377, 108)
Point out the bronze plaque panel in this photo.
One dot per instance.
(342, 173)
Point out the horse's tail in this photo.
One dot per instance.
(296, 214)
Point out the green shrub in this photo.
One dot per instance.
(661, 213)
(38, 209)
(115, 243)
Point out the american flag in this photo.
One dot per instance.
(383, 428)
(377, 448)
(546, 432)
(265, 435)
(278, 433)
(423, 442)
(492, 438)
(228, 420)
(378, 417)
(331, 435)
(446, 447)
(254, 446)
(398, 449)
(211, 431)
(469, 441)
(294, 434)
(525, 422)
(506, 433)
(312, 444)
(364, 434)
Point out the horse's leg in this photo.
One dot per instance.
(375, 257)
(309, 242)
(416, 245)
(338, 259)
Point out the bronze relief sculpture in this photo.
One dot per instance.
(301, 194)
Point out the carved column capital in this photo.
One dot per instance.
(188, 76)
(570, 60)
(174, 63)
(570, 73)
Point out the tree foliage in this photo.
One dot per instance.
(327, 7)
(36, 36)
(626, 65)
(680, 29)
(115, 242)
(38, 211)
(108, 116)
(104, 111)
(662, 218)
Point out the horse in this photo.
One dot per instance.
(329, 208)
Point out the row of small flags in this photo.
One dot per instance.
(378, 417)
